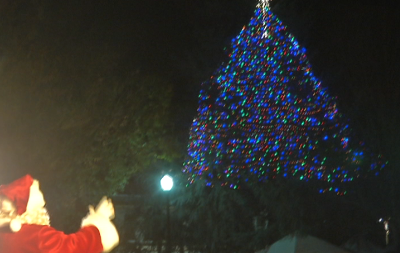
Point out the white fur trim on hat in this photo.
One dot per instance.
(15, 225)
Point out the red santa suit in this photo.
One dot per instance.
(96, 235)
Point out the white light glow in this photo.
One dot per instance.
(166, 183)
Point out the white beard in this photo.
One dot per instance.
(38, 216)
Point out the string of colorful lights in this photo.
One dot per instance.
(264, 115)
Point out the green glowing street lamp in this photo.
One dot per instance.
(166, 184)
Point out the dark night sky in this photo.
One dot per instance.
(178, 40)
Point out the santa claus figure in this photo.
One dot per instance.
(25, 224)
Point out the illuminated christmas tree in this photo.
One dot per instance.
(264, 115)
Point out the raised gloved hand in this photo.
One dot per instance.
(105, 208)
(101, 218)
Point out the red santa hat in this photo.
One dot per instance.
(18, 192)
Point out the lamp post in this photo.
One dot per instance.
(166, 184)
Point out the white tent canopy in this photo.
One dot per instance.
(304, 244)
